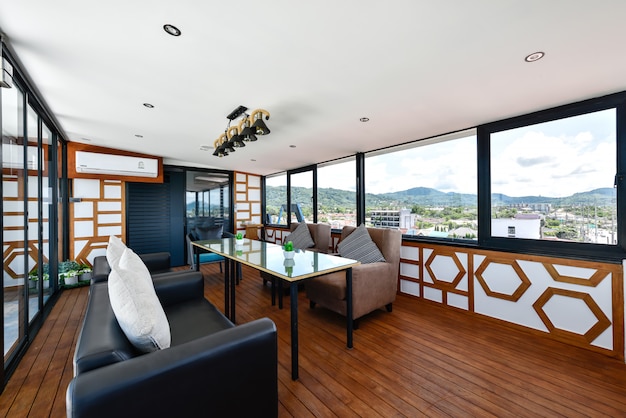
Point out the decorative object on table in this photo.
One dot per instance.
(288, 251)
(239, 238)
(289, 263)
(246, 130)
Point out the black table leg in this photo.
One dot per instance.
(349, 306)
(233, 279)
(294, 330)
(227, 288)
(196, 254)
(281, 293)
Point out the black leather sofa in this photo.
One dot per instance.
(157, 263)
(213, 368)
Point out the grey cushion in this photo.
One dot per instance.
(301, 237)
(359, 246)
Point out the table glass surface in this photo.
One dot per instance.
(269, 257)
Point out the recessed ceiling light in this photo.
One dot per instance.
(364, 119)
(535, 56)
(205, 147)
(292, 146)
(86, 139)
(148, 105)
(139, 135)
(252, 159)
(171, 30)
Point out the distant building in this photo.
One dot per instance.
(524, 225)
(397, 219)
(535, 207)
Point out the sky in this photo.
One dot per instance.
(552, 159)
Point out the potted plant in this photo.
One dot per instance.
(33, 277)
(68, 272)
(288, 251)
(239, 238)
(84, 273)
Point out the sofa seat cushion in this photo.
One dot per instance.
(101, 341)
(191, 320)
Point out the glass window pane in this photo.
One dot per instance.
(276, 199)
(302, 197)
(554, 180)
(336, 193)
(428, 189)
(14, 233)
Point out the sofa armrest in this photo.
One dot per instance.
(233, 372)
(156, 262)
(178, 286)
(100, 270)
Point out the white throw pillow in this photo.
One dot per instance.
(136, 305)
(115, 249)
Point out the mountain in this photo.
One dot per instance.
(424, 196)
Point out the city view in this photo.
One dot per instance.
(582, 217)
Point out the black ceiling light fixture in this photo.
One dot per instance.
(171, 30)
(149, 105)
(246, 130)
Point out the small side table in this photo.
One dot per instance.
(252, 231)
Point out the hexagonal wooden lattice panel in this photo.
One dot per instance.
(519, 291)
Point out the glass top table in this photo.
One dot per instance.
(268, 257)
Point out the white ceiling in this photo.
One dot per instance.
(415, 68)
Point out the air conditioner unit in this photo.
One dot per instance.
(13, 156)
(118, 165)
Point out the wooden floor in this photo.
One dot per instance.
(419, 360)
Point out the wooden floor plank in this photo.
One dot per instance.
(419, 360)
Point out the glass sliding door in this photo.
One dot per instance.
(207, 202)
(13, 232)
(35, 284)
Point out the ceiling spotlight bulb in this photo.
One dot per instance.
(149, 105)
(535, 56)
(171, 30)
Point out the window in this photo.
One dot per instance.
(425, 189)
(336, 193)
(554, 180)
(276, 199)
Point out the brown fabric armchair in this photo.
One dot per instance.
(374, 285)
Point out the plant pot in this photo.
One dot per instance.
(32, 284)
(70, 280)
(288, 254)
(239, 241)
(85, 276)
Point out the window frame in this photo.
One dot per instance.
(578, 250)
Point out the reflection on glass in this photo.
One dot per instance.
(302, 197)
(13, 272)
(33, 210)
(336, 193)
(428, 189)
(276, 199)
(554, 180)
(207, 204)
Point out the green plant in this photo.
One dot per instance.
(288, 246)
(239, 235)
(34, 275)
(69, 268)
